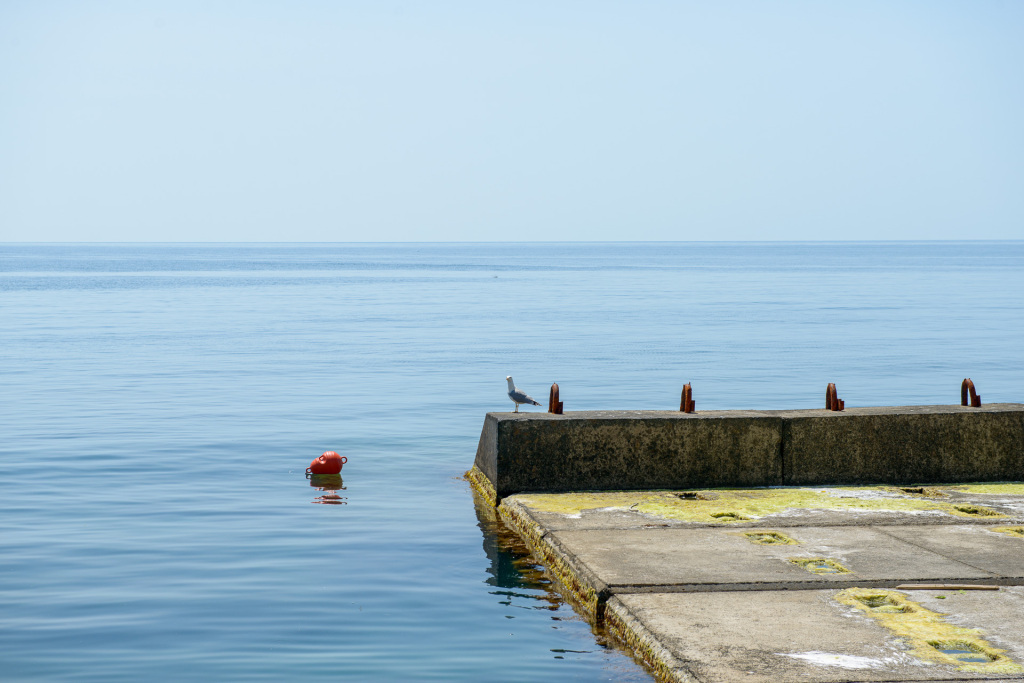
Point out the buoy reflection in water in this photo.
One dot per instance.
(330, 484)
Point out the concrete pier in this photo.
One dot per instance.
(745, 546)
(794, 584)
(634, 450)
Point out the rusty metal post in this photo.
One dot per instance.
(686, 404)
(554, 405)
(968, 386)
(832, 401)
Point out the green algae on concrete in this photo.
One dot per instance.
(571, 581)
(723, 506)
(929, 636)
(645, 647)
(1011, 530)
(573, 584)
(482, 485)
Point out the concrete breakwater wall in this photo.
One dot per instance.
(635, 450)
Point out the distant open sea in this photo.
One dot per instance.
(159, 404)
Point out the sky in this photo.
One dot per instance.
(511, 121)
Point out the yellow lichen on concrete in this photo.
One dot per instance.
(926, 491)
(479, 481)
(927, 633)
(1011, 530)
(769, 538)
(732, 505)
(975, 511)
(1016, 489)
(819, 565)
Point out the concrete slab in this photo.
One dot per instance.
(649, 563)
(625, 518)
(776, 637)
(998, 615)
(785, 506)
(713, 559)
(981, 547)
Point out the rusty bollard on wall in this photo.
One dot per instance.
(554, 405)
(832, 401)
(968, 386)
(686, 404)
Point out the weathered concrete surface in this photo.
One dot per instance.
(713, 559)
(695, 599)
(768, 637)
(632, 450)
(910, 444)
(628, 450)
(605, 518)
(776, 507)
(998, 615)
(990, 551)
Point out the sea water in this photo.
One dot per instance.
(160, 404)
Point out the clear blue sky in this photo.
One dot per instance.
(478, 120)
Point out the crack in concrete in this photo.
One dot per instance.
(934, 552)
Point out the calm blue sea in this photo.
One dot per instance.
(159, 404)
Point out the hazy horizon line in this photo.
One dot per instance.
(727, 241)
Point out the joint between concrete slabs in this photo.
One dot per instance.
(810, 585)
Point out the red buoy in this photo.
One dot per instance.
(328, 463)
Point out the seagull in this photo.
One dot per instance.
(518, 396)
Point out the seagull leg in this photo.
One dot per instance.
(517, 407)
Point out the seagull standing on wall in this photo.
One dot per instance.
(518, 396)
